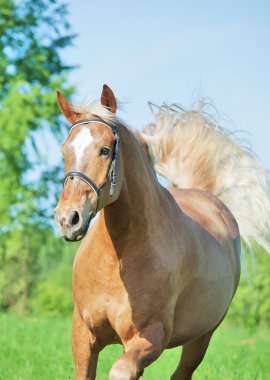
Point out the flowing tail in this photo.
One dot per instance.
(191, 150)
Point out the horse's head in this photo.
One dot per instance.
(91, 157)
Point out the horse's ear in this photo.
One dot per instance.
(108, 99)
(67, 108)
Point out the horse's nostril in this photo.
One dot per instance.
(74, 218)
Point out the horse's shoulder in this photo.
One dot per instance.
(208, 211)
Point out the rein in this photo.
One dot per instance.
(112, 172)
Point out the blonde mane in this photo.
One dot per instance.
(191, 150)
(90, 108)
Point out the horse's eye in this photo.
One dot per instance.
(104, 151)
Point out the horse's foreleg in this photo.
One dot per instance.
(192, 355)
(140, 351)
(82, 344)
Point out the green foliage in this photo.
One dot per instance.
(35, 271)
(52, 300)
(33, 34)
(17, 255)
(53, 295)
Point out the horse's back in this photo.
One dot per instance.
(208, 211)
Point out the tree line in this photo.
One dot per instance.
(33, 35)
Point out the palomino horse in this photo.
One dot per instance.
(158, 269)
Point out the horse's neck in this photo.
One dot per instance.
(138, 206)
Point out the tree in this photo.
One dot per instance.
(32, 35)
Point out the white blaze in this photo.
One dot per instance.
(82, 140)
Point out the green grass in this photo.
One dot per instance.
(40, 349)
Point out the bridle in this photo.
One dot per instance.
(112, 172)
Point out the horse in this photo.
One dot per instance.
(159, 267)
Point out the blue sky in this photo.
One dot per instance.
(177, 51)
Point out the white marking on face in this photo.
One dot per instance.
(82, 141)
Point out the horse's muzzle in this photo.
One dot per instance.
(72, 224)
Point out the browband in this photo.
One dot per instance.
(94, 120)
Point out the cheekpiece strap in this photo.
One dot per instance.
(114, 171)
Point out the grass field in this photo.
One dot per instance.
(39, 349)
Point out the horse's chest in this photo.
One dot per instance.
(91, 297)
(94, 292)
(93, 309)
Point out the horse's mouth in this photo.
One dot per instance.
(73, 240)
